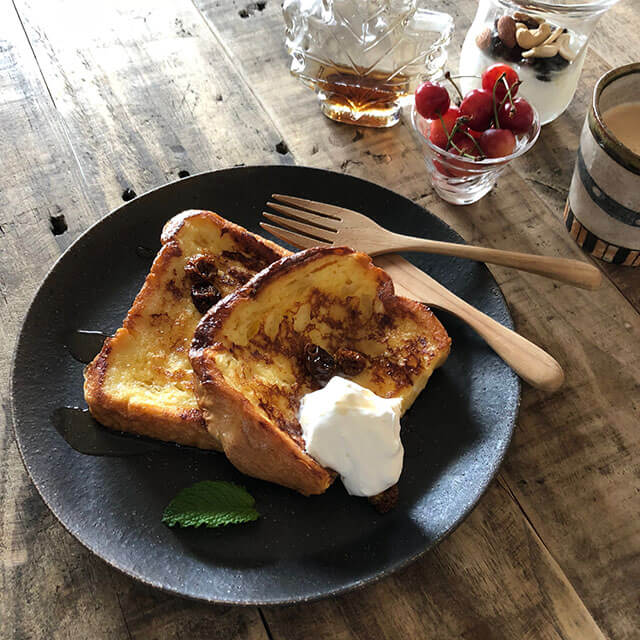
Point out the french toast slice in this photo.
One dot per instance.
(141, 381)
(258, 351)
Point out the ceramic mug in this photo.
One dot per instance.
(602, 213)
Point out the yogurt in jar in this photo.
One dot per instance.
(548, 83)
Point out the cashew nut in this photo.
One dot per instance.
(524, 17)
(554, 36)
(522, 33)
(564, 49)
(529, 38)
(541, 51)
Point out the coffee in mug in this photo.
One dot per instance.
(602, 213)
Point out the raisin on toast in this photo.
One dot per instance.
(141, 381)
(308, 316)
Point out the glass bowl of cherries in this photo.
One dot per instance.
(470, 139)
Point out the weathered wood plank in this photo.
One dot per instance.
(491, 579)
(615, 37)
(145, 92)
(51, 586)
(43, 575)
(592, 417)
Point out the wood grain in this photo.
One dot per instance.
(145, 92)
(46, 576)
(616, 33)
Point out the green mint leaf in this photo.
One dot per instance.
(212, 504)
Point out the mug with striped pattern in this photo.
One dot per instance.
(602, 213)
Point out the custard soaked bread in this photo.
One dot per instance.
(142, 380)
(309, 316)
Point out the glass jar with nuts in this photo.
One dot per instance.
(545, 42)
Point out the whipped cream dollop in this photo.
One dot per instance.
(353, 431)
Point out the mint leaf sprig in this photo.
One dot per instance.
(211, 504)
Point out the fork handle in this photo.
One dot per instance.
(576, 272)
(529, 361)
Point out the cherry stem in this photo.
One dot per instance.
(444, 127)
(449, 135)
(478, 147)
(495, 106)
(509, 95)
(450, 143)
(447, 75)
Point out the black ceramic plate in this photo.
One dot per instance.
(455, 435)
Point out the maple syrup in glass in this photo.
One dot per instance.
(364, 58)
(370, 101)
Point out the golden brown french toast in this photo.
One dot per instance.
(141, 381)
(308, 316)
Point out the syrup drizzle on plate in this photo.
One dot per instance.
(84, 345)
(85, 435)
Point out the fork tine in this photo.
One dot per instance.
(296, 239)
(304, 216)
(312, 205)
(310, 230)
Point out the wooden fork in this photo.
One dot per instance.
(529, 361)
(328, 224)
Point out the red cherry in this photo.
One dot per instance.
(431, 100)
(497, 143)
(478, 107)
(516, 116)
(437, 134)
(491, 76)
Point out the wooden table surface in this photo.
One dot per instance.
(97, 98)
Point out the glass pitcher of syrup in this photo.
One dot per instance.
(364, 58)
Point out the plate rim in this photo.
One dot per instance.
(316, 596)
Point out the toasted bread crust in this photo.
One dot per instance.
(182, 424)
(253, 441)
